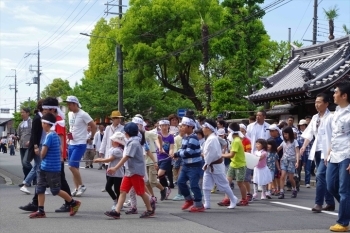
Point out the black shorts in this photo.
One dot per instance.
(49, 179)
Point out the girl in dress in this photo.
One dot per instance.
(262, 175)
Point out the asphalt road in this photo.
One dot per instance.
(288, 215)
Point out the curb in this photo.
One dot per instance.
(7, 179)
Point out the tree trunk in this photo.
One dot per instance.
(331, 29)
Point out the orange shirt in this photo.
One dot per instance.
(246, 145)
(62, 131)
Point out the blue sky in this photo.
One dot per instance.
(56, 26)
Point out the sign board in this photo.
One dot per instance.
(181, 112)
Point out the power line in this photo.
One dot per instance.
(306, 29)
(302, 18)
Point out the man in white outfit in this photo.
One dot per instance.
(214, 168)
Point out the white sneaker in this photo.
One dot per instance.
(103, 190)
(233, 204)
(74, 193)
(127, 204)
(81, 190)
(307, 185)
(47, 192)
(25, 190)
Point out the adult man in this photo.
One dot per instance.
(320, 129)
(98, 140)
(116, 118)
(338, 161)
(304, 161)
(78, 122)
(50, 105)
(24, 132)
(90, 151)
(290, 122)
(258, 129)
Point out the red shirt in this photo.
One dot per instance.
(62, 131)
(246, 145)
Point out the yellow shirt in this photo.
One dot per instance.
(238, 160)
(178, 143)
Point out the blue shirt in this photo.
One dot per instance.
(190, 150)
(52, 160)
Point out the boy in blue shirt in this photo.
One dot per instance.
(50, 169)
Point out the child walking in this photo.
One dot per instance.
(273, 165)
(289, 161)
(50, 170)
(115, 154)
(134, 163)
(262, 175)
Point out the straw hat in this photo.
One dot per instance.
(115, 114)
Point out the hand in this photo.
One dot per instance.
(156, 166)
(326, 161)
(27, 143)
(98, 160)
(348, 169)
(162, 151)
(296, 164)
(111, 171)
(36, 151)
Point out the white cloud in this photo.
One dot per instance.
(24, 13)
(2, 5)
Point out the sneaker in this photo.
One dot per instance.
(276, 193)
(81, 190)
(259, 188)
(114, 206)
(242, 202)
(103, 190)
(147, 214)
(24, 189)
(307, 186)
(178, 197)
(188, 204)
(153, 204)
(168, 191)
(263, 196)
(74, 193)
(281, 196)
(131, 211)
(255, 196)
(113, 214)
(224, 202)
(127, 204)
(232, 186)
(37, 214)
(197, 209)
(249, 197)
(294, 194)
(91, 166)
(268, 195)
(289, 189)
(74, 208)
(163, 194)
(214, 189)
(339, 228)
(47, 192)
(87, 167)
(63, 208)
(233, 204)
(29, 207)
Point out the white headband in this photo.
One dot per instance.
(188, 121)
(59, 111)
(240, 134)
(164, 122)
(48, 122)
(207, 125)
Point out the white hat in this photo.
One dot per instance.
(118, 137)
(302, 122)
(72, 99)
(273, 127)
(242, 126)
(221, 132)
(139, 116)
(139, 121)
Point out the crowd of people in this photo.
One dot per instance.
(198, 155)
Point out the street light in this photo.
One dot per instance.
(119, 59)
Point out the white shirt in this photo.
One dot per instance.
(78, 126)
(256, 131)
(97, 141)
(212, 152)
(89, 146)
(324, 128)
(340, 143)
(106, 141)
(151, 137)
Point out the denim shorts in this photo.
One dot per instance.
(288, 165)
(165, 164)
(75, 153)
(248, 175)
(48, 179)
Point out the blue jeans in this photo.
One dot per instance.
(192, 174)
(12, 150)
(321, 186)
(338, 184)
(32, 174)
(26, 165)
(307, 169)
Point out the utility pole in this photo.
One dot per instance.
(36, 80)
(314, 31)
(119, 56)
(14, 87)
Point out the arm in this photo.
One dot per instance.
(305, 144)
(43, 151)
(229, 155)
(93, 129)
(263, 155)
(62, 145)
(150, 155)
(159, 144)
(102, 160)
(171, 150)
(297, 152)
(278, 165)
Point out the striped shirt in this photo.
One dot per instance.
(190, 150)
(52, 160)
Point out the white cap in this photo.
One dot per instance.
(221, 132)
(72, 99)
(242, 126)
(302, 122)
(118, 137)
(273, 127)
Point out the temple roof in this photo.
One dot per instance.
(310, 69)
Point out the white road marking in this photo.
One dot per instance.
(302, 207)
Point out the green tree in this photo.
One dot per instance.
(58, 88)
(346, 29)
(31, 104)
(331, 14)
